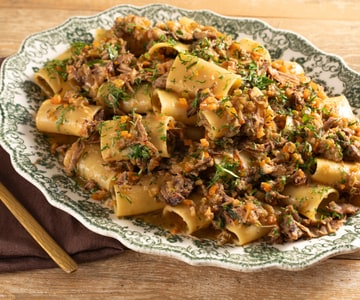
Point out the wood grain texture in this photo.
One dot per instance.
(334, 27)
(296, 9)
(141, 276)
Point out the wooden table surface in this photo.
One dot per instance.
(333, 26)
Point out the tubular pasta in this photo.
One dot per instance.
(157, 127)
(166, 47)
(219, 118)
(190, 73)
(50, 81)
(114, 136)
(138, 198)
(50, 84)
(189, 217)
(308, 199)
(339, 106)
(335, 173)
(92, 167)
(247, 233)
(256, 49)
(171, 104)
(139, 102)
(66, 118)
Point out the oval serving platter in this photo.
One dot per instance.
(30, 155)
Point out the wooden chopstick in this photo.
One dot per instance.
(52, 248)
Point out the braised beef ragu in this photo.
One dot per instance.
(280, 127)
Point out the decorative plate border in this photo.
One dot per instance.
(19, 101)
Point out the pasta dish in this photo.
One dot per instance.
(190, 129)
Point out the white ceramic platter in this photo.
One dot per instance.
(19, 101)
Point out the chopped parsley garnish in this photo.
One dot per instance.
(113, 51)
(113, 95)
(225, 172)
(255, 80)
(139, 151)
(62, 110)
(77, 47)
(57, 66)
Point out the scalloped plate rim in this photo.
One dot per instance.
(181, 255)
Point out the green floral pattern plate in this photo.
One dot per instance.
(20, 98)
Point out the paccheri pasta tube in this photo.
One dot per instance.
(137, 198)
(245, 234)
(208, 135)
(52, 77)
(65, 118)
(91, 167)
(193, 214)
(171, 104)
(310, 199)
(189, 73)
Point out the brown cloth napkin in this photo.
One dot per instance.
(18, 250)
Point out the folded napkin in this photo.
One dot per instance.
(19, 251)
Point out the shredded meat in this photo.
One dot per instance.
(352, 153)
(176, 189)
(72, 156)
(160, 82)
(192, 165)
(137, 32)
(90, 78)
(290, 224)
(342, 208)
(282, 77)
